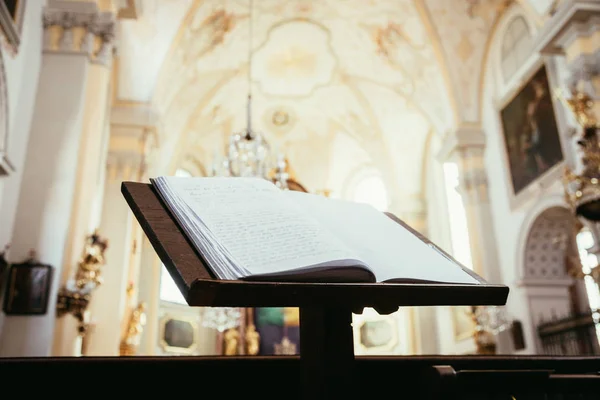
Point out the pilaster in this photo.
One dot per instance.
(465, 146)
(63, 153)
(131, 145)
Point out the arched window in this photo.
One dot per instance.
(370, 189)
(585, 241)
(516, 47)
(168, 289)
(459, 232)
(183, 172)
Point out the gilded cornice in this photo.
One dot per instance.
(79, 28)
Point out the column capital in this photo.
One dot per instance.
(79, 27)
(465, 146)
(133, 142)
(461, 138)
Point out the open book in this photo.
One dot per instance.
(248, 229)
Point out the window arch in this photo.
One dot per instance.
(183, 172)
(516, 47)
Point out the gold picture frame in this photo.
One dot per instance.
(544, 71)
(178, 334)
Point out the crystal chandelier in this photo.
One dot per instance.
(582, 189)
(221, 318)
(248, 154)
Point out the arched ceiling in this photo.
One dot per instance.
(385, 73)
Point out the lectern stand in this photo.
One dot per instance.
(326, 343)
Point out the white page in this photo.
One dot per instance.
(263, 230)
(388, 249)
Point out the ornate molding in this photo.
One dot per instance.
(79, 28)
(133, 142)
(570, 13)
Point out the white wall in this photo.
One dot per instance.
(511, 221)
(22, 73)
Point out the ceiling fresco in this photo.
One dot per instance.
(384, 73)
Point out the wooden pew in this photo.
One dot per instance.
(394, 377)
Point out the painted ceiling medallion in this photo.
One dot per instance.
(279, 120)
(295, 59)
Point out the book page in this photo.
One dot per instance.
(388, 249)
(263, 231)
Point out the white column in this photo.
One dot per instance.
(72, 31)
(131, 140)
(465, 147)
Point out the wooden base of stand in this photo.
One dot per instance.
(326, 353)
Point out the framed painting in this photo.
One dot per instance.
(28, 288)
(530, 131)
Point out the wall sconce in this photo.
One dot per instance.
(75, 295)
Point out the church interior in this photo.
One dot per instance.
(473, 121)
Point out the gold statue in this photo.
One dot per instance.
(232, 338)
(252, 340)
(88, 270)
(581, 104)
(135, 328)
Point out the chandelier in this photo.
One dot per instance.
(248, 154)
(582, 189)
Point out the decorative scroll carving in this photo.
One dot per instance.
(85, 31)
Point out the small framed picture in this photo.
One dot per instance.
(27, 288)
(375, 334)
(179, 335)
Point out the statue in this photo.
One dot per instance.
(135, 328)
(232, 338)
(75, 295)
(88, 271)
(252, 340)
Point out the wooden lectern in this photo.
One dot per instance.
(326, 342)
